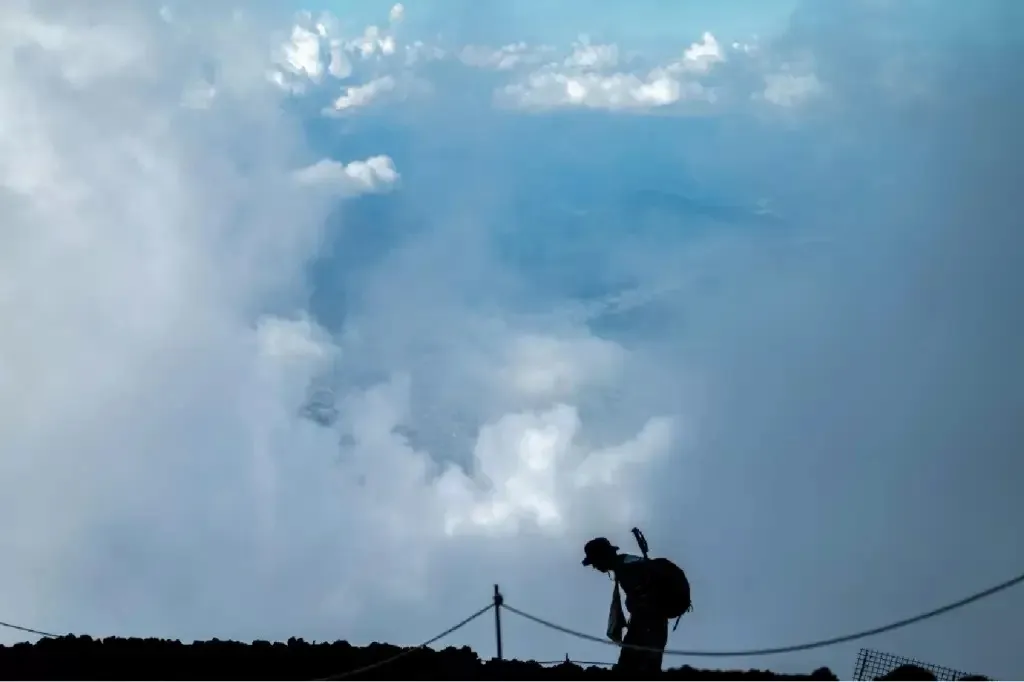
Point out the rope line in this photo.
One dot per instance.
(977, 596)
(406, 652)
(28, 630)
(785, 649)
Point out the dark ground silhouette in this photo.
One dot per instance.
(908, 672)
(115, 658)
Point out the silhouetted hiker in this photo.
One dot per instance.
(656, 591)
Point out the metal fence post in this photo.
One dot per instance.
(498, 601)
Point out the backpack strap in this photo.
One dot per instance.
(688, 609)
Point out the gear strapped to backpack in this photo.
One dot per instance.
(669, 581)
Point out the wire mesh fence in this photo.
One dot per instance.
(871, 665)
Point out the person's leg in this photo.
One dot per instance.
(652, 635)
(659, 640)
(630, 659)
(627, 656)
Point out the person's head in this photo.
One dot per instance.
(600, 553)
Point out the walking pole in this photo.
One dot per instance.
(498, 601)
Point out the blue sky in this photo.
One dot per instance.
(641, 22)
(316, 329)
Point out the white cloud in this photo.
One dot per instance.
(592, 57)
(587, 78)
(316, 47)
(299, 339)
(701, 56)
(545, 90)
(526, 464)
(397, 13)
(374, 175)
(301, 54)
(356, 96)
(517, 459)
(591, 75)
(311, 50)
(371, 63)
(373, 43)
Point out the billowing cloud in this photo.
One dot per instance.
(317, 46)
(161, 383)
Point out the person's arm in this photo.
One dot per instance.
(616, 618)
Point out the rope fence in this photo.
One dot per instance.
(574, 661)
(30, 631)
(498, 604)
(387, 661)
(817, 644)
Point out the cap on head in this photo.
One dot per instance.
(598, 548)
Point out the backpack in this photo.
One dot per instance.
(671, 586)
(669, 582)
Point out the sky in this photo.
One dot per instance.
(321, 323)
